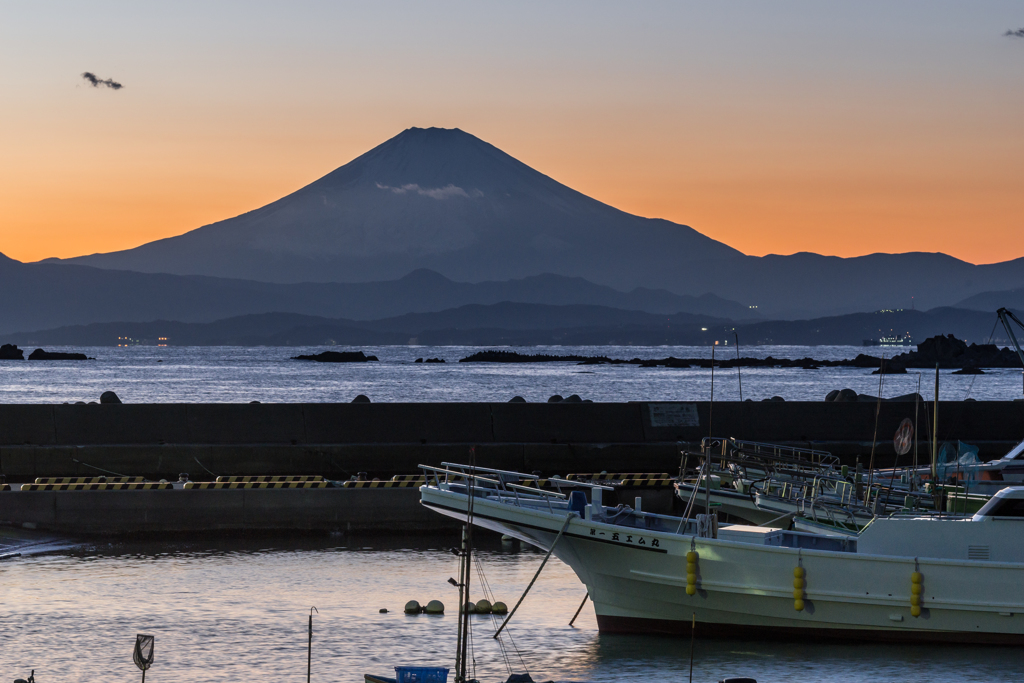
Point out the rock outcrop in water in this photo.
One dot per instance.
(514, 357)
(338, 357)
(11, 352)
(950, 352)
(40, 354)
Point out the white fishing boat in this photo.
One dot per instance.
(962, 466)
(906, 578)
(787, 487)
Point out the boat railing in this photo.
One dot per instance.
(769, 451)
(508, 476)
(498, 486)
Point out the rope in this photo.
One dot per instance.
(568, 518)
(98, 469)
(489, 594)
(203, 466)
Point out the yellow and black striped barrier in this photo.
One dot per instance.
(605, 476)
(90, 480)
(648, 483)
(381, 484)
(100, 486)
(5, 487)
(271, 480)
(409, 477)
(257, 485)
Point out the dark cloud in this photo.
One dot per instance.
(1019, 33)
(97, 82)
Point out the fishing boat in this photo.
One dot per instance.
(789, 487)
(902, 578)
(958, 463)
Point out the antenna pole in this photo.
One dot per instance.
(874, 438)
(739, 374)
(711, 407)
(935, 430)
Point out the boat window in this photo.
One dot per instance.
(1017, 453)
(1007, 507)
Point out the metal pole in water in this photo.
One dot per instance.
(309, 654)
(693, 632)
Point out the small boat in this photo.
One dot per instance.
(410, 674)
(909, 578)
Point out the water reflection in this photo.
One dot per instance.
(236, 609)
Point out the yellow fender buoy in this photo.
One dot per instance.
(799, 583)
(691, 572)
(916, 592)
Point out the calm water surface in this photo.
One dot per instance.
(237, 610)
(240, 375)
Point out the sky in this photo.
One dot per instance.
(837, 128)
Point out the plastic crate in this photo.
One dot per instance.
(421, 674)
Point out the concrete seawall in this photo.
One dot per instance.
(339, 440)
(238, 510)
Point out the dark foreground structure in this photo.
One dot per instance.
(339, 441)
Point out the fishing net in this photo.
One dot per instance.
(143, 655)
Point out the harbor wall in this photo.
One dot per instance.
(235, 510)
(382, 439)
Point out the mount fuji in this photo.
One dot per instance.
(431, 198)
(443, 200)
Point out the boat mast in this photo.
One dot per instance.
(462, 601)
(461, 675)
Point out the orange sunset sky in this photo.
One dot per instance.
(774, 127)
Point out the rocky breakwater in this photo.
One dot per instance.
(12, 352)
(950, 352)
(861, 361)
(41, 354)
(338, 357)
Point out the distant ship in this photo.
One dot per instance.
(905, 340)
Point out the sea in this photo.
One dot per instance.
(237, 609)
(217, 374)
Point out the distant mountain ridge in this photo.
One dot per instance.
(993, 301)
(462, 325)
(526, 324)
(55, 295)
(449, 202)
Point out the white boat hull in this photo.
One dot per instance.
(733, 503)
(637, 582)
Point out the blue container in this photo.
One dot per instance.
(421, 674)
